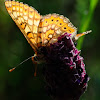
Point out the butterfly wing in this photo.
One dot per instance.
(27, 19)
(54, 25)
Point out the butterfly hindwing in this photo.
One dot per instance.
(54, 25)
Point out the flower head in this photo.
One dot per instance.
(64, 70)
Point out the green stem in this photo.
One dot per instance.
(86, 21)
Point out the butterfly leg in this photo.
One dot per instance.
(35, 62)
(35, 70)
(81, 34)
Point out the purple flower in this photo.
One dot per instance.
(64, 70)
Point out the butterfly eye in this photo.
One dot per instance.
(36, 58)
(52, 20)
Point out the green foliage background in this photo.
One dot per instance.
(21, 83)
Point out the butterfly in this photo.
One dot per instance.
(40, 30)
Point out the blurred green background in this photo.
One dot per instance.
(21, 83)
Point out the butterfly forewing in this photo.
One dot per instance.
(27, 19)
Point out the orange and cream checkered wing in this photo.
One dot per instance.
(27, 19)
(53, 26)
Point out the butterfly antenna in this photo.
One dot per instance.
(20, 63)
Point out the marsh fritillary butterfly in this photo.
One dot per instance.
(40, 30)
